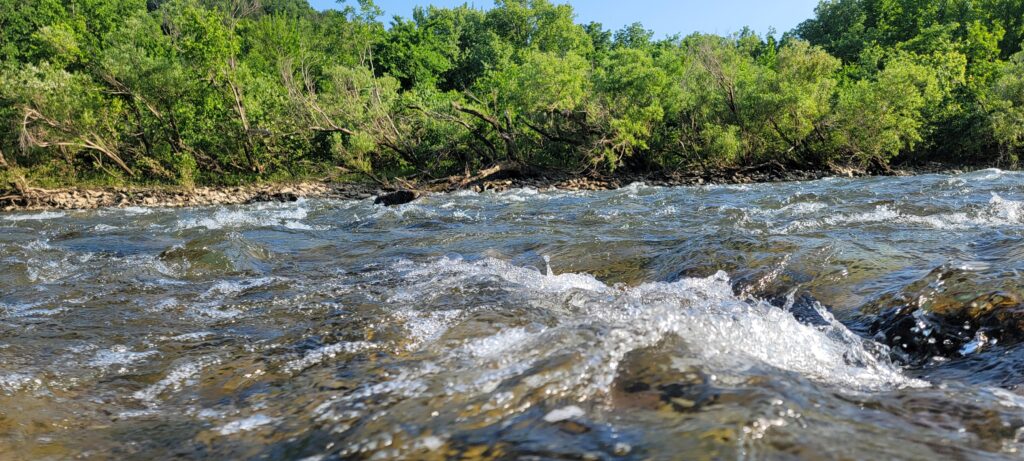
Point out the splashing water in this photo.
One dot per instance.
(862, 319)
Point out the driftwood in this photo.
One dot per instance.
(877, 166)
(482, 175)
(771, 165)
(409, 191)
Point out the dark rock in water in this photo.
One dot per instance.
(804, 307)
(396, 198)
(949, 313)
(274, 197)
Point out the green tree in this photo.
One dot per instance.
(631, 89)
(1006, 105)
(421, 51)
(877, 119)
(66, 113)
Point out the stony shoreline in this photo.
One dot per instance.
(85, 198)
(34, 199)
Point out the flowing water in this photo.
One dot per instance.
(838, 319)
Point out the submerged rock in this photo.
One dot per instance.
(949, 313)
(651, 379)
(396, 198)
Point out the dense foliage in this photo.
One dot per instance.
(205, 91)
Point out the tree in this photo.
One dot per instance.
(69, 113)
(631, 88)
(840, 27)
(520, 101)
(877, 119)
(794, 101)
(19, 20)
(539, 24)
(421, 51)
(1006, 103)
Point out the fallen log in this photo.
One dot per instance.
(482, 175)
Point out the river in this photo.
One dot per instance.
(875, 318)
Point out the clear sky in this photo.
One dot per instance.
(665, 17)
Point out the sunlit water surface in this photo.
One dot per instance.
(857, 319)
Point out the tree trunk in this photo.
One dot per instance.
(505, 133)
(247, 144)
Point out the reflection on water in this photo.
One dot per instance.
(860, 319)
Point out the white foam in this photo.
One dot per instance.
(119, 355)
(260, 216)
(519, 195)
(431, 442)
(562, 414)
(999, 212)
(130, 211)
(984, 175)
(591, 329)
(425, 327)
(412, 209)
(179, 377)
(38, 245)
(326, 353)
(666, 211)
(499, 343)
(882, 213)
(232, 287)
(197, 336)
(213, 311)
(1007, 211)
(35, 216)
(726, 331)
(136, 210)
(446, 268)
(298, 225)
(14, 382)
(804, 207)
(634, 190)
(244, 425)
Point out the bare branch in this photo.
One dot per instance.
(504, 133)
(88, 141)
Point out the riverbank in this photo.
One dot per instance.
(496, 179)
(35, 199)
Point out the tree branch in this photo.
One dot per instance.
(503, 133)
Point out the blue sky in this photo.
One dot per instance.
(665, 17)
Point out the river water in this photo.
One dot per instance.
(877, 318)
